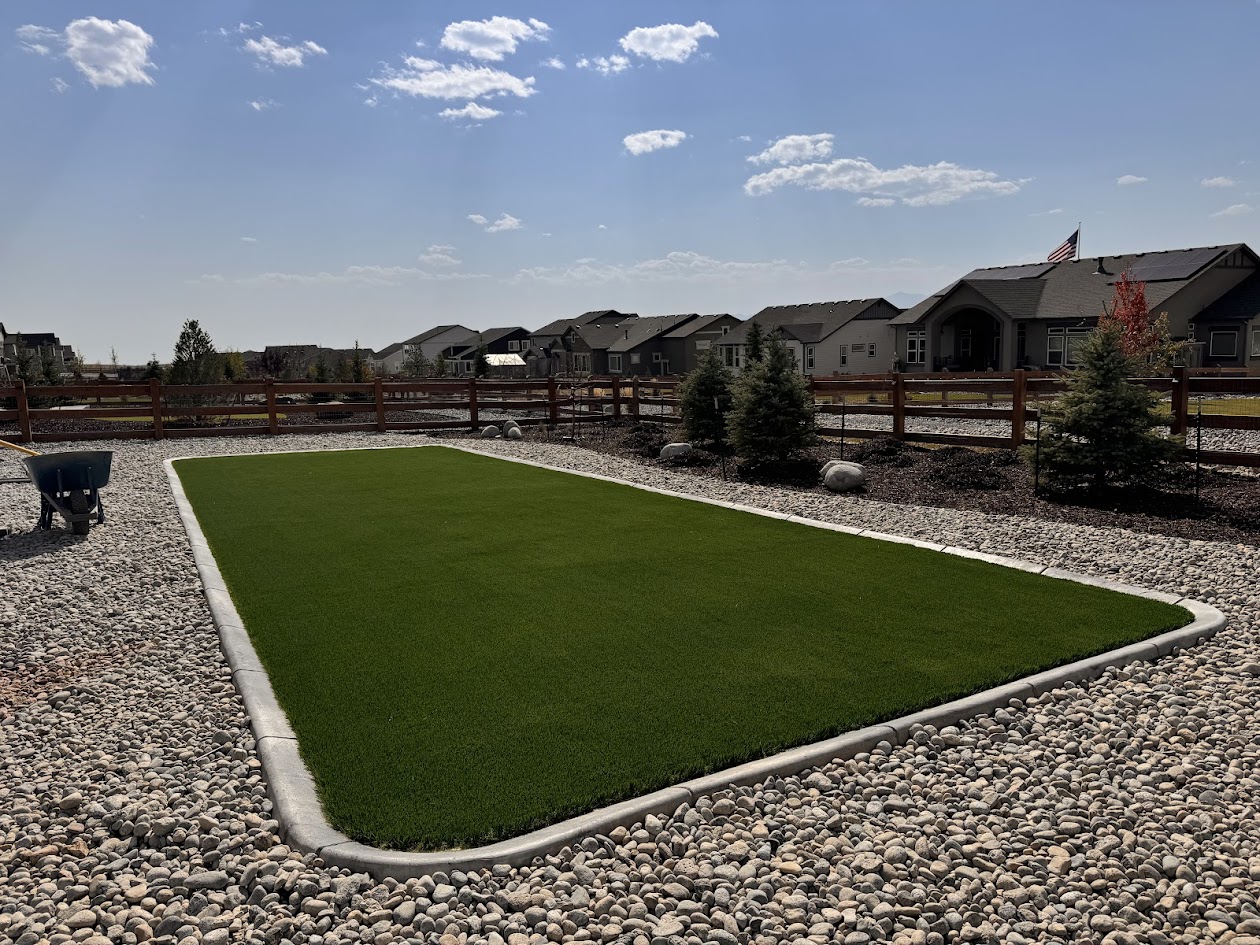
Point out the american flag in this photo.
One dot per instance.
(1066, 249)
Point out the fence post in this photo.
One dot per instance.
(616, 404)
(379, 394)
(553, 403)
(24, 413)
(155, 399)
(899, 407)
(472, 402)
(1019, 388)
(634, 398)
(273, 422)
(1180, 401)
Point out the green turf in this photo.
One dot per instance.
(470, 648)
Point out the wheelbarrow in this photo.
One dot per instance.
(68, 484)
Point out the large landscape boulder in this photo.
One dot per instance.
(489, 433)
(675, 450)
(840, 476)
(509, 424)
(512, 433)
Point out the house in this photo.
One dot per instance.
(1035, 315)
(826, 338)
(390, 359)
(636, 347)
(38, 347)
(556, 348)
(462, 357)
(686, 344)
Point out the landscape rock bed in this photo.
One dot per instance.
(133, 808)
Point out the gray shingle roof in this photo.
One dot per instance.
(630, 335)
(809, 322)
(561, 325)
(699, 323)
(1075, 289)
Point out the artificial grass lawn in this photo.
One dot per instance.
(470, 648)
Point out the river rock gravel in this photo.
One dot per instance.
(133, 807)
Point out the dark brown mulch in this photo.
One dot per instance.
(991, 481)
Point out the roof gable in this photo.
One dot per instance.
(824, 317)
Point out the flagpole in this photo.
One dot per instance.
(1078, 240)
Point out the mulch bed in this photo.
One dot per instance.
(991, 481)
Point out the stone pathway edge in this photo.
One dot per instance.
(296, 803)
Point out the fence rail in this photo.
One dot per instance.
(990, 401)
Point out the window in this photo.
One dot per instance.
(844, 355)
(1255, 342)
(614, 363)
(1063, 344)
(634, 357)
(916, 346)
(1021, 344)
(809, 358)
(1224, 344)
(657, 357)
(859, 348)
(870, 350)
(702, 344)
(1190, 332)
(728, 355)
(582, 363)
(514, 346)
(725, 329)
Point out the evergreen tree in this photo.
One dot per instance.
(704, 397)
(416, 364)
(439, 366)
(360, 370)
(195, 360)
(755, 343)
(49, 373)
(321, 370)
(772, 412)
(1103, 431)
(25, 361)
(152, 369)
(481, 366)
(342, 373)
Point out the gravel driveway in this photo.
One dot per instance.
(133, 808)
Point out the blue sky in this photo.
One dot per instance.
(283, 171)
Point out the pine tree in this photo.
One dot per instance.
(360, 370)
(439, 366)
(481, 366)
(153, 369)
(772, 412)
(416, 364)
(321, 370)
(195, 360)
(755, 343)
(705, 399)
(1102, 432)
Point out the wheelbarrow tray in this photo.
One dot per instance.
(68, 484)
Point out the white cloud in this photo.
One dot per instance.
(554, 63)
(491, 39)
(372, 276)
(913, 185)
(747, 139)
(504, 223)
(876, 201)
(605, 66)
(645, 142)
(274, 53)
(1235, 210)
(673, 267)
(1218, 182)
(471, 111)
(262, 104)
(37, 39)
(425, 78)
(439, 254)
(601, 227)
(671, 42)
(1128, 180)
(249, 239)
(60, 86)
(1047, 213)
(852, 262)
(109, 53)
(794, 149)
(477, 218)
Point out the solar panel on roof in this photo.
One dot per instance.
(1180, 264)
(1031, 271)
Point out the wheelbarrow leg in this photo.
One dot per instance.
(45, 513)
(100, 508)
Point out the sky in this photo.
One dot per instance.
(289, 172)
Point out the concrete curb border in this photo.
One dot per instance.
(296, 803)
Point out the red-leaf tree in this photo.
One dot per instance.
(1145, 338)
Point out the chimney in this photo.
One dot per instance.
(1101, 270)
(627, 333)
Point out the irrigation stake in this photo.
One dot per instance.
(843, 401)
(1198, 449)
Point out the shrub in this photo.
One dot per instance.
(1102, 432)
(705, 399)
(772, 412)
(646, 439)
